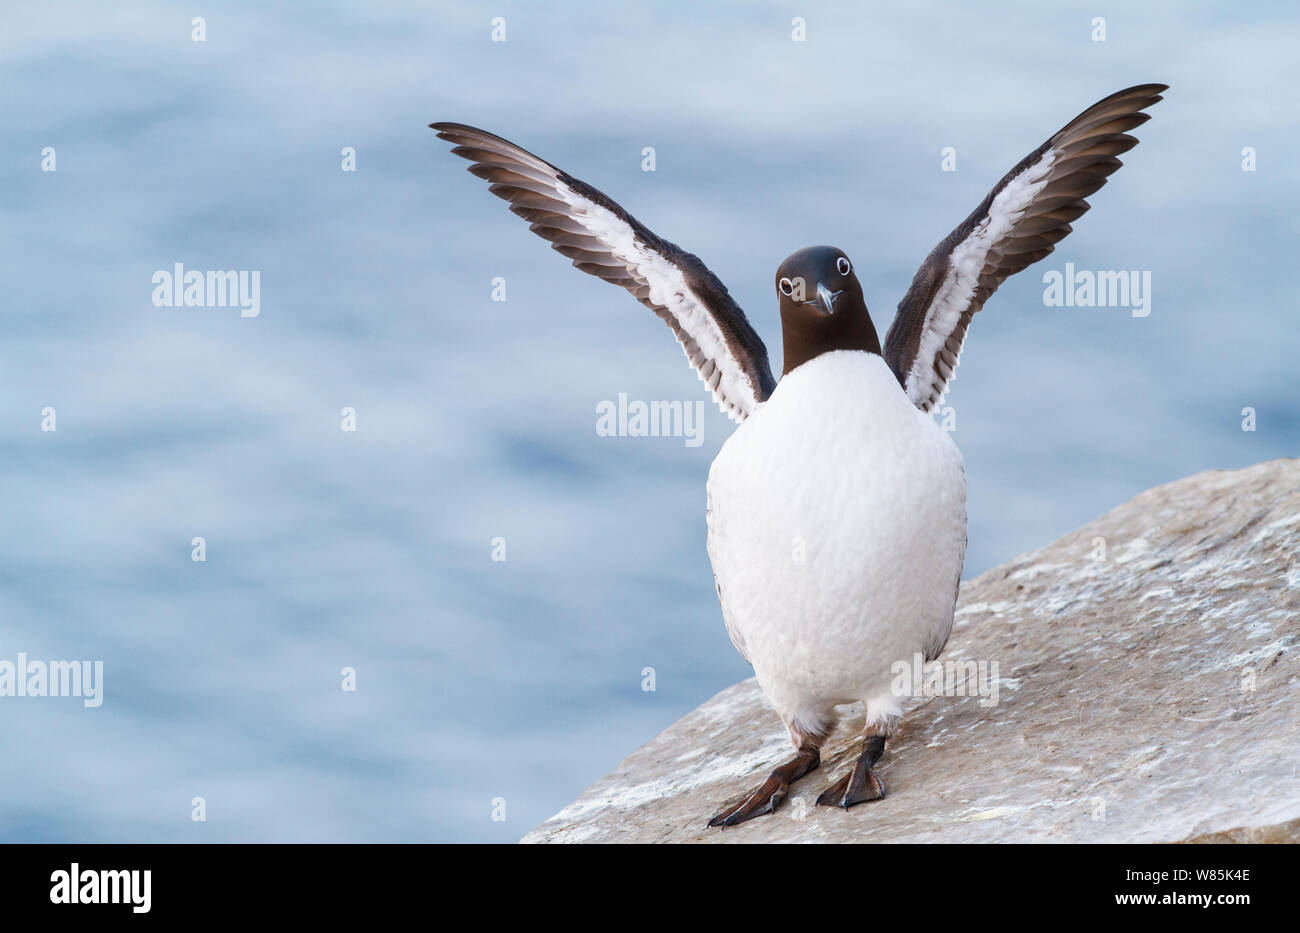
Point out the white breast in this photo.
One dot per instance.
(837, 530)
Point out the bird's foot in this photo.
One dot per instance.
(858, 786)
(771, 792)
(861, 784)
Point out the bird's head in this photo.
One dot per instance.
(812, 280)
(822, 307)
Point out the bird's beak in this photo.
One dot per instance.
(825, 300)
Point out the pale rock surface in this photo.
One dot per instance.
(1150, 696)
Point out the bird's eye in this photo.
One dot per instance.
(842, 266)
(786, 286)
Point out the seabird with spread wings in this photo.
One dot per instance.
(837, 509)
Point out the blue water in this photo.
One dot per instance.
(501, 688)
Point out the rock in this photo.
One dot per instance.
(1148, 666)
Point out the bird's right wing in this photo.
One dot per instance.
(603, 239)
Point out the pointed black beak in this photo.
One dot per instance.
(825, 300)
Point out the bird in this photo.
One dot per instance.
(836, 509)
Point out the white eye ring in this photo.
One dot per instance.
(843, 266)
(786, 287)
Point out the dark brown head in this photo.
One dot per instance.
(822, 308)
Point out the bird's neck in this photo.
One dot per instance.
(805, 339)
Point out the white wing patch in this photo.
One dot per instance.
(965, 265)
(700, 337)
(604, 240)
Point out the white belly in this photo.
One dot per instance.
(837, 530)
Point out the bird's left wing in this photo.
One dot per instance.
(606, 241)
(1018, 224)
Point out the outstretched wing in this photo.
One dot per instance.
(603, 239)
(1018, 224)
